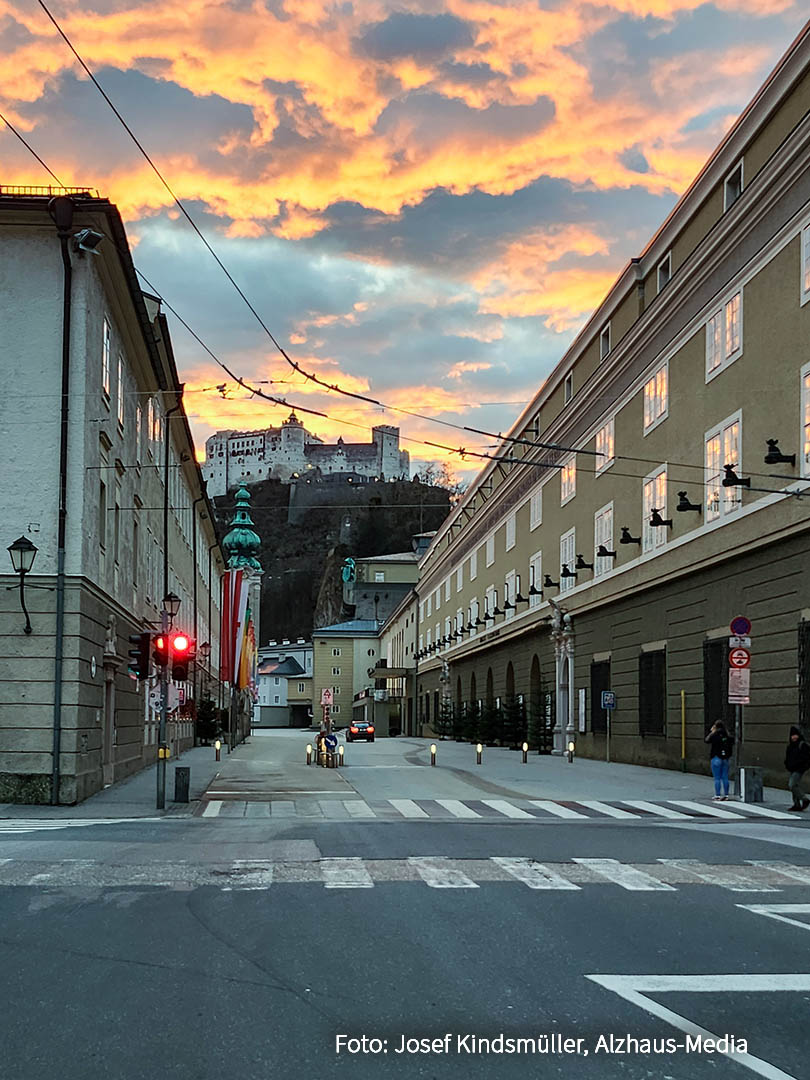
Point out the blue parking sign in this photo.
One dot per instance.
(608, 699)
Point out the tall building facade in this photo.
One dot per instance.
(663, 486)
(100, 475)
(286, 452)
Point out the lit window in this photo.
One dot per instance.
(120, 391)
(724, 335)
(654, 497)
(805, 265)
(568, 480)
(656, 399)
(510, 532)
(536, 508)
(733, 186)
(723, 446)
(490, 550)
(568, 387)
(605, 446)
(602, 535)
(604, 342)
(536, 579)
(105, 359)
(568, 558)
(664, 271)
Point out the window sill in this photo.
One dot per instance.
(656, 423)
(723, 366)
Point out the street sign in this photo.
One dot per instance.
(740, 626)
(608, 699)
(736, 640)
(330, 741)
(739, 686)
(326, 696)
(154, 698)
(739, 658)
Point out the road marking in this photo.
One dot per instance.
(780, 912)
(606, 808)
(356, 808)
(533, 874)
(458, 809)
(408, 808)
(718, 875)
(798, 873)
(440, 873)
(212, 809)
(749, 808)
(655, 808)
(702, 808)
(257, 810)
(627, 877)
(21, 825)
(634, 988)
(283, 808)
(348, 873)
(558, 809)
(507, 809)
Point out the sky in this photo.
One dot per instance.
(423, 200)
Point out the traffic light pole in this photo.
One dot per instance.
(164, 703)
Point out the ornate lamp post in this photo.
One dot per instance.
(23, 553)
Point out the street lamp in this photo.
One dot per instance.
(22, 553)
(205, 651)
(171, 603)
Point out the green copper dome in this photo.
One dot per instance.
(241, 542)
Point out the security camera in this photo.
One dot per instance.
(88, 240)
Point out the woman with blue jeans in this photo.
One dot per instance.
(721, 744)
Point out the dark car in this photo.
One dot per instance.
(361, 729)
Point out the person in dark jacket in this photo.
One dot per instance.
(797, 762)
(721, 744)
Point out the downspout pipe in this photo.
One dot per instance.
(61, 210)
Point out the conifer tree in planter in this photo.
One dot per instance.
(514, 723)
(207, 716)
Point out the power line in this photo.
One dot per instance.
(14, 131)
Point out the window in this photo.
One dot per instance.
(136, 551)
(275, 699)
(119, 393)
(138, 434)
(652, 692)
(604, 342)
(602, 534)
(510, 532)
(733, 186)
(106, 348)
(336, 671)
(102, 515)
(509, 593)
(460, 579)
(474, 566)
(664, 271)
(654, 497)
(568, 557)
(276, 681)
(536, 579)
(336, 651)
(490, 551)
(656, 399)
(724, 336)
(335, 710)
(301, 688)
(379, 575)
(723, 445)
(536, 508)
(568, 480)
(336, 691)
(805, 265)
(116, 534)
(605, 447)
(490, 600)
(568, 387)
(600, 680)
(429, 602)
(447, 589)
(806, 420)
(474, 614)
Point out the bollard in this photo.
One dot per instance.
(478, 751)
(182, 782)
(340, 755)
(571, 748)
(525, 749)
(309, 753)
(433, 753)
(217, 748)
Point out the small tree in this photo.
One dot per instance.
(443, 724)
(471, 723)
(491, 724)
(514, 723)
(537, 725)
(206, 720)
(458, 722)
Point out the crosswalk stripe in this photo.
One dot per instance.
(458, 809)
(257, 810)
(507, 809)
(717, 875)
(798, 873)
(408, 808)
(764, 811)
(282, 808)
(533, 874)
(655, 808)
(345, 873)
(213, 808)
(356, 808)
(606, 808)
(557, 809)
(628, 877)
(703, 808)
(439, 872)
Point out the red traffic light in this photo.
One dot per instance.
(180, 644)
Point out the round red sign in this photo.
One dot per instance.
(739, 658)
(740, 626)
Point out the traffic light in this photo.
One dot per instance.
(139, 656)
(184, 650)
(160, 653)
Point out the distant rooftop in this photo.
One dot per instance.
(353, 626)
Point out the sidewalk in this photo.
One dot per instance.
(136, 796)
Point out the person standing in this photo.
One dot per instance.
(721, 744)
(797, 762)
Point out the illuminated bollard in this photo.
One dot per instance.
(525, 749)
(217, 748)
(340, 756)
(571, 748)
(478, 752)
(433, 753)
(309, 753)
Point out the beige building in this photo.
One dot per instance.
(342, 656)
(650, 492)
(92, 406)
(396, 670)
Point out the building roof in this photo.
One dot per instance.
(288, 667)
(352, 628)
(400, 556)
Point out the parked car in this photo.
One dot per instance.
(361, 729)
